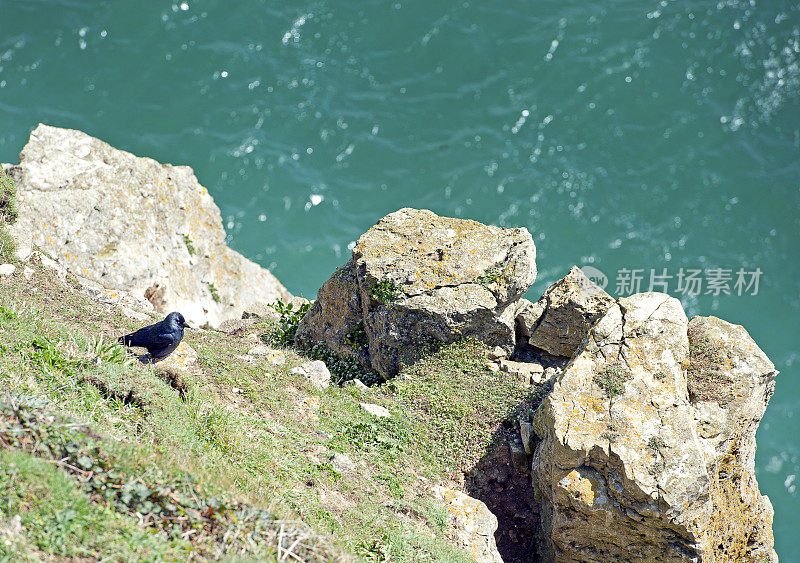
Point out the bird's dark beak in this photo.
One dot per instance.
(186, 325)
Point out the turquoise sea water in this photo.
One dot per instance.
(645, 136)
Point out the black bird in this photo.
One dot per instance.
(161, 338)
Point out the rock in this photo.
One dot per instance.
(309, 406)
(316, 372)
(180, 359)
(417, 278)
(559, 321)
(730, 382)
(497, 353)
(134, 224)
(259, 350)
(473, 524)
(7, 269)
(27, 272)
(260, 311)
(622, 469)
(357, 384)
(230, 326)
(342, 463)
(526, 435)
(528, 373)
(376, 410)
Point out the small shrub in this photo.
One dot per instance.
(490, 276)
(384, 291)
(357, 338)
(189, 245)
(214, 292)
(611, 379)
(287, 324)
(8, 198)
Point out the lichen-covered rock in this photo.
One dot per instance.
(416, 277)
(472, 524)
(559, 321)
(132, 223)
(622, 468)
(730, 382)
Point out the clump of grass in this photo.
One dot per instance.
(656, 444)
(8, 198)
(214, 292)
(189, 245)
(284, 333)
(384, 291)
(611, 379)
(708, 369)
(8, 214)
(357, 338)
(492, 275)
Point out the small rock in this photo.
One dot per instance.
(236, 390)
(7, 269)
(497, 353)
(493, 367)
(276, 358)
(181, 358)
(309, 407)
(342, 463)
(518, 457)
(27, 272)
(136, 315)
(527, 372)
(357, 383)
(259, 350)
(260, 311)
(316, 372)
(232, 325)
(526, 434)
(376, 410)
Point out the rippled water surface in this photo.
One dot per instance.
(637, 136)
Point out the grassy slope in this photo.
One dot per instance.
(191, 463)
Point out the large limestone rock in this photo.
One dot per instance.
(416, 277)
(132, 223)
(559, 321)
(635, 463)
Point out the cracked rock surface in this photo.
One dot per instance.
(135, 224)
(416, 278)
(635, 462)
(559, 321)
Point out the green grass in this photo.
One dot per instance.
(611, 379)
(385, 291)
(8, 214)
(60, 519)
(235, 434)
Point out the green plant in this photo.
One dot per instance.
(611, 379)
(214, 292)
(189, 245)
(8, 198)
(492, 275)
(384, 291)
(357, 338)
(656, 444)
(288, 322)
(342, 367)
